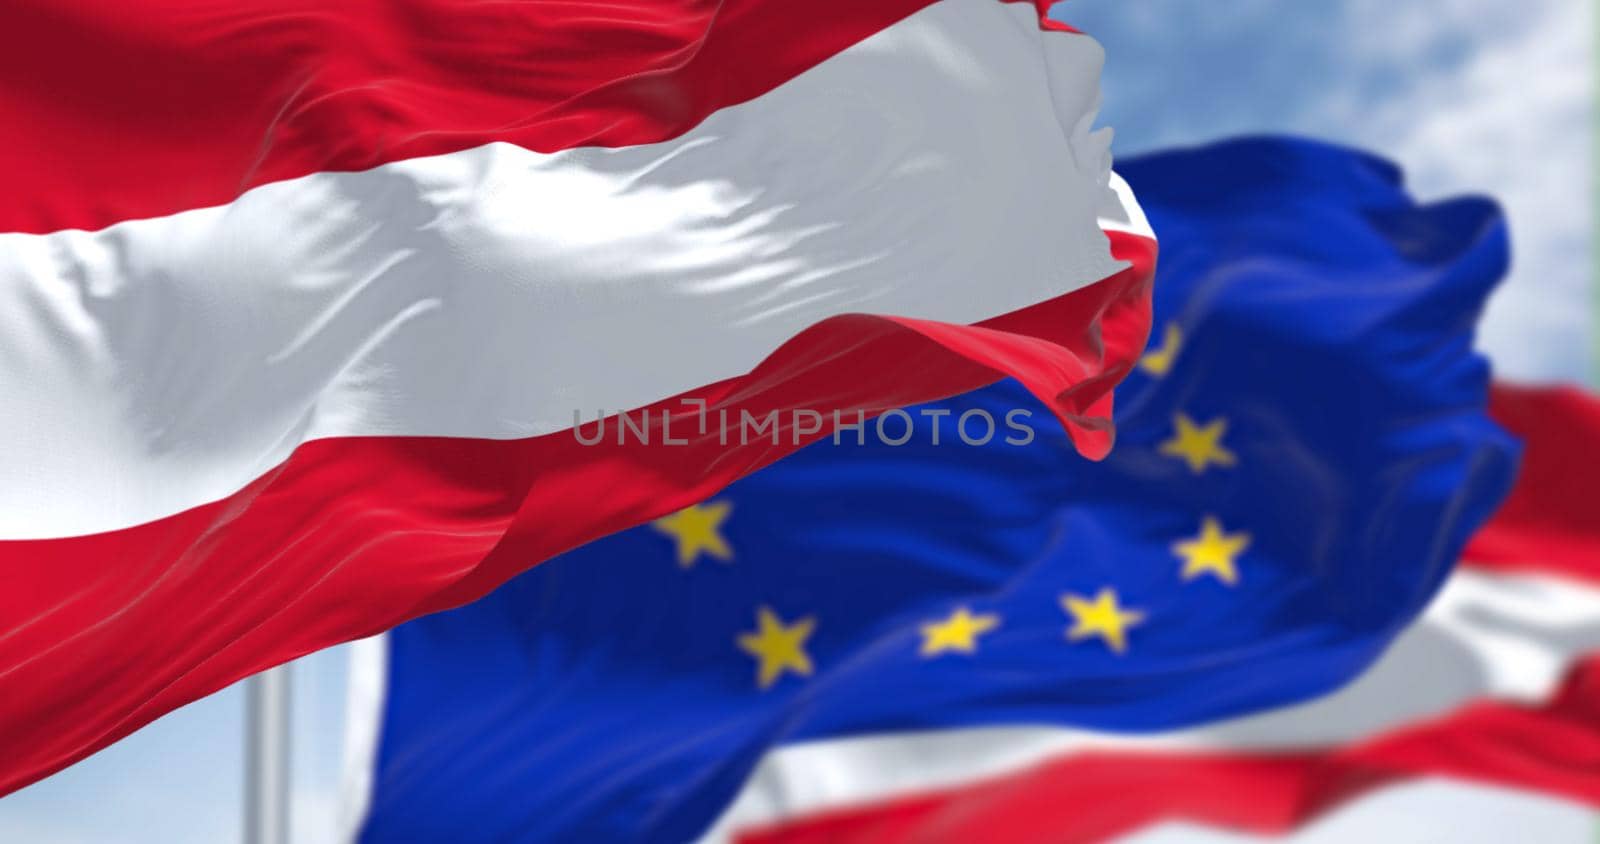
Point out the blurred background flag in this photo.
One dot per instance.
(828, 647)
(1498, 683)
(1552, 519)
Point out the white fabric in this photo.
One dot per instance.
(943, 169)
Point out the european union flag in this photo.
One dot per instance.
(1300, 458)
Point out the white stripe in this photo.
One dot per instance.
(1485, 636)
(942, 169)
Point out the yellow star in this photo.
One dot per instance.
(696, 528)
(1158, 362)
(1212, 552)
(957, 633)
(778, 647)
(1102, 617)
(1199, 445)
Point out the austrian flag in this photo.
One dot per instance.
(299, 301)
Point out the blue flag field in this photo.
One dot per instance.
(1300, 458)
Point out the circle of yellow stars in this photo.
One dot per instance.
(779, 647)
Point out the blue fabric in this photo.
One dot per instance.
(1325, 317)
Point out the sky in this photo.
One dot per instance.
(1470, 96)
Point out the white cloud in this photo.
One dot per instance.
(315, 815)
(1495, 98)
(1484, 96)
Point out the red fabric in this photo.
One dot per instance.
(351, 536)
(120, 110)
(1093, 796)
(1551, 522)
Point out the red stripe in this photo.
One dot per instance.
(119, 110)
(104, 633)
(1551, 522)
(1087, 797)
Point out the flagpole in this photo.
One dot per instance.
(266, 746)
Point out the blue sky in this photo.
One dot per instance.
(1469, 95)
(1472, 96)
